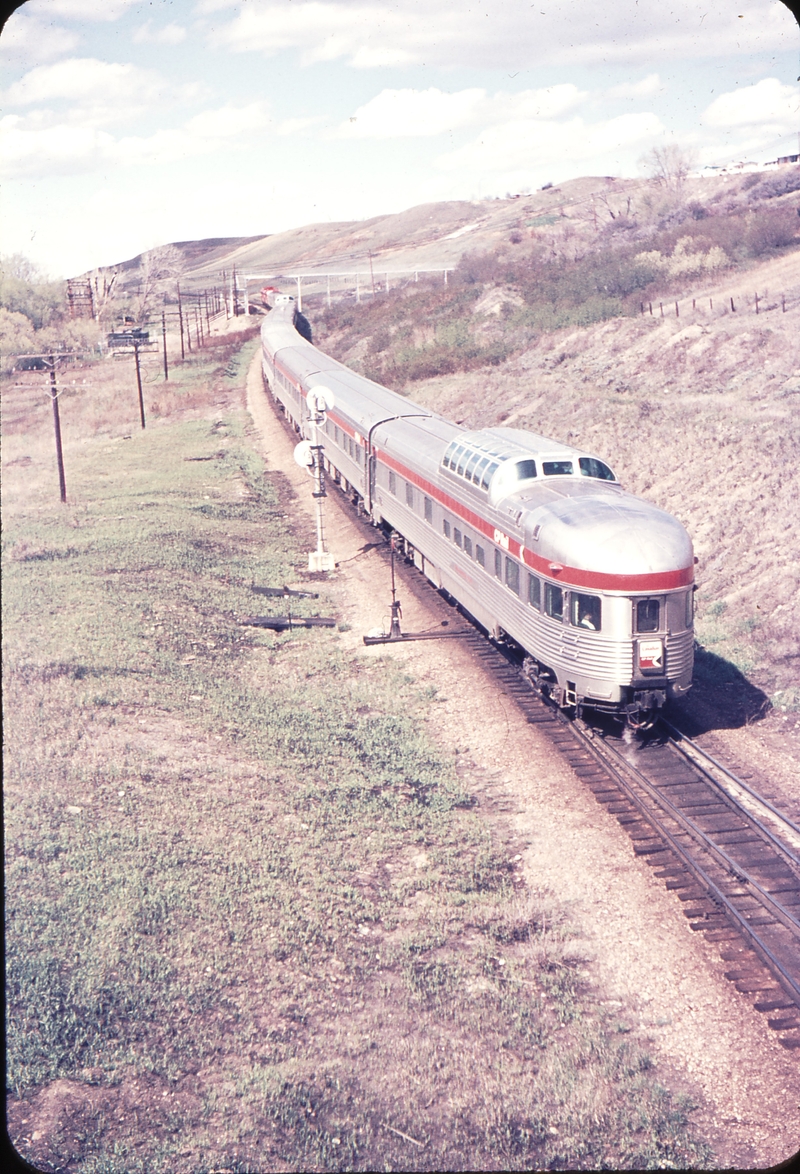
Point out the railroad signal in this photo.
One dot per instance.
(309, 452)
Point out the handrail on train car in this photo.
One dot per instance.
(370, 459)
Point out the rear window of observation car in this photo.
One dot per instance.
(591, 467)
(648, 614)
(557, 468)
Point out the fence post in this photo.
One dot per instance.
(677, 315)
(756, 303)
(733, 308)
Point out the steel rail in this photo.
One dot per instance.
(790, 984)
(780, 845)
(681, 737)
(723, 858)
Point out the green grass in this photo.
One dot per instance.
(244, 889)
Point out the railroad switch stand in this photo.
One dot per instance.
(395, 635)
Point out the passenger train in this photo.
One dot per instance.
(536, 540)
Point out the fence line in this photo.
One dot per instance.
(758, 303)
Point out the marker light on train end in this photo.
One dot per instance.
(556, 568)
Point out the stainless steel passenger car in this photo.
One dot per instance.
(536, 540)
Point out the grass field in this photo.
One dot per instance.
(253, 919)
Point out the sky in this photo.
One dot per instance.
(126, 125)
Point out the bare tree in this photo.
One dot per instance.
(159, 269)
(668, 166)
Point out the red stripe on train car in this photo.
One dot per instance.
(570, 576)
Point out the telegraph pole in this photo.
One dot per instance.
(180, 318)
(164, 340)
(57, 427)
(139, 380)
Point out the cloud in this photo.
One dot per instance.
(424, 113)
(413, 113)
(63, 149)
(529, 143)
(169, 34)
(105, 10)
(27, 38)
(510, 34)
(648, 85)
(769, 101)
(81, 79)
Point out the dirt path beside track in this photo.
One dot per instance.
(665, 981)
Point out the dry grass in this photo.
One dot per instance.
(253, 919)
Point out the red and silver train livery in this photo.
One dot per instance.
(536, 540)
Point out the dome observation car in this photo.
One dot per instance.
(501, 461)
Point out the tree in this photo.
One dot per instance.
(25, 290)
(159, 268)
(668, 166)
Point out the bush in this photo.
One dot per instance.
(777, 185)
(771, 228)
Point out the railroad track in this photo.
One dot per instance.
(729, 855)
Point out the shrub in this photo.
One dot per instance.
(777, 185)
(771, 228)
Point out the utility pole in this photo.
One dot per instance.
(139, 381)
(164, 340)
(57, 427)
(180, 318)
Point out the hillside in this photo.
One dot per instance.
(577, 214)
(698, 413)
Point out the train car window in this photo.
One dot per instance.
(534, 592)
(454, 455)
(335, 434)
(462, 460)
(358, 454)
(648, 613)
(428, 506)
(591, 467)
(498, 564)
(512, 575)
(479, 470)
(526, 470)
(471, 463)
(554, 601)
(689, 609)
(480, 557)
(409, 495)
(451, 452)
(393, 482)
(557, 468)
(468, 546)
(445, 527)
(584, 611)
(457, 536)
(488, 472)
